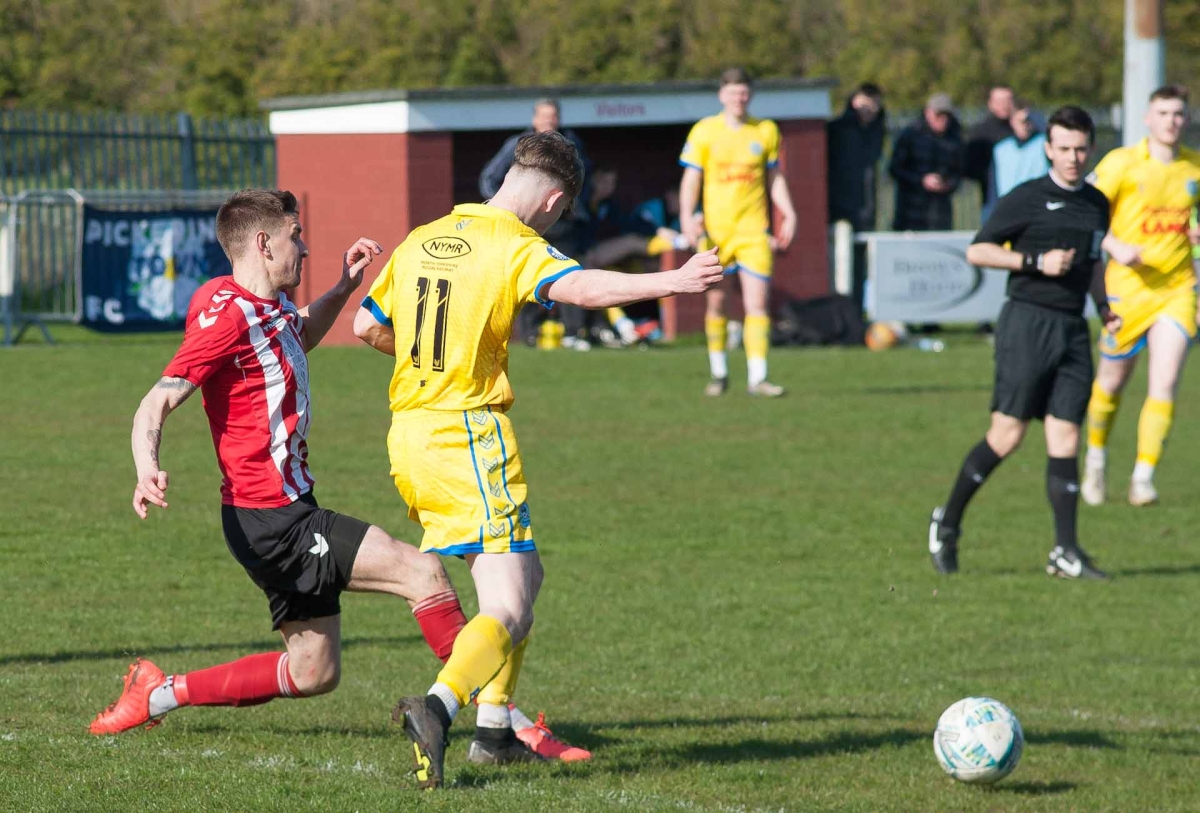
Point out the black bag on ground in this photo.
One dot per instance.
(833, 319)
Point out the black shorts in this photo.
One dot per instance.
(1043, 363)
(300, 555)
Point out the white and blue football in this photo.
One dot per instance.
(978, 740)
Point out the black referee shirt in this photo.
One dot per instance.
(1039, 216)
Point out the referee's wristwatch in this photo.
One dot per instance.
(1033, 262)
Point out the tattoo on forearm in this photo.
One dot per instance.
(180, 389)
(155, 438)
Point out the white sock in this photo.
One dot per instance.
(756, 371)
(1097, 456)
(519, 721)
(717, 364)
(1143, 472)
(163, 698)
(446, 695)
(492, 716)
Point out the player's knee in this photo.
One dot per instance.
(424, 574)
(1005, 438)
(317, 678)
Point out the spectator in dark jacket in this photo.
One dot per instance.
(984, 136)
(927, 164)
(855, 143)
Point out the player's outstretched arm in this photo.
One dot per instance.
(596, 288)
(319, 316)
(381, 337)
(163, 398)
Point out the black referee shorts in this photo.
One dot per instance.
(300, 555)
(1043, 363)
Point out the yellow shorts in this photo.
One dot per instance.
(1140, 307)
(460, 474)
(746, 253)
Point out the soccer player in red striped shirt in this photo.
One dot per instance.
(245, 348)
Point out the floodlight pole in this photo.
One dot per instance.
(1145, 64)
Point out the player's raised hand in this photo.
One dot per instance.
(151, 488)
(700, 273)
(357, 257)
(1057, 262)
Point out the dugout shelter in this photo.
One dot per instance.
(378, 164)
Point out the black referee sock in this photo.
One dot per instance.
(981, 461)
(1062, 489)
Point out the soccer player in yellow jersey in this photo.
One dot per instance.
(1153, 187)
(735, 158)
(444, 306)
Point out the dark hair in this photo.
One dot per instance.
(997, 86)
(735, 76)
(1071, 117)
(870, 89)
(553, 155)
(251, 211)
(1020, 104)
(1179, 92)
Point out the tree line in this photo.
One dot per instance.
(221, 57)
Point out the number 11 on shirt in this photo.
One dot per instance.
(438, 363)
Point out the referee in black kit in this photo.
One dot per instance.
(1053, 226)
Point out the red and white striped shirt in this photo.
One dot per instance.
(247, 356)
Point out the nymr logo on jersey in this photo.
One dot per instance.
(556, 254)
(1193, 188)
(755, 148)
(446, 248)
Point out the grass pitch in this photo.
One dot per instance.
(738, 615)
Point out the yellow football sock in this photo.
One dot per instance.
(500, 691)
(1153, 427)
(1101, 411)
(614, 315)
(757, 336)
(480, 651)
(715, 329)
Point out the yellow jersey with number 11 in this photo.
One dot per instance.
(450, 292)
(735, 163)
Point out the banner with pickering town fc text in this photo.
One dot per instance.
(140, 269)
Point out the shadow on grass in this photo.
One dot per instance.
(1084, 739)
(1133, 573)
(918, 389)
(174, 649)
(1034, 788)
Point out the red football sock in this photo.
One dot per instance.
(441, 619)
(249, 681)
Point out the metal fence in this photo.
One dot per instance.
(40, 267)
(41, 150)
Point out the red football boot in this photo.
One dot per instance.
(542, 742)
(132, 708)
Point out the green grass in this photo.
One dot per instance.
(738, 613)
